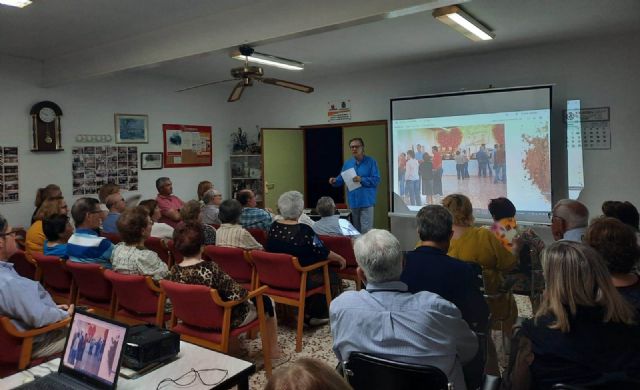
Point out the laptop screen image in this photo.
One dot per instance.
(93, 350)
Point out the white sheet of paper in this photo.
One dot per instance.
(348, 176)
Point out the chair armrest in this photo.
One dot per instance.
(252, 294)
(152, 285)
(11, 329)
(311, 267)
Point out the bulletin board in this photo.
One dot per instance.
(94, 166)
(187, 146)
(9, 187)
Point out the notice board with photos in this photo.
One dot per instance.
(187, 146)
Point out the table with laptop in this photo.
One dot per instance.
(93, 356)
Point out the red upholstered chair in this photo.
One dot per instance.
(341, 206)
(54, 276)
(23, 266)
(215, 225)
(159, 245)
(176, 257)
(93, 289)
(260, 235)
(15, 353)
(286, 280)
(201, 317)
(138, 299)
(233, 261)
(113, 237)
(344, 247)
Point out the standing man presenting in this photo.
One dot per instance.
(363, 198)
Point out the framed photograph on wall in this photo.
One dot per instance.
(151, 160)
(131, 128)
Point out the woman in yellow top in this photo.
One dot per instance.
(480, 246)
(34, 242)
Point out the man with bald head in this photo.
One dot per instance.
(569, 220)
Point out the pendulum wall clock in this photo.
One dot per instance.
(46, 130)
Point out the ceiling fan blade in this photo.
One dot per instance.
(204, 85)
(287, 84)
(237, 92)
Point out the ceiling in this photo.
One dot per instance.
(189, 40)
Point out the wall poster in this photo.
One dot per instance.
(187, 146)
(9, 186)
(94, 166)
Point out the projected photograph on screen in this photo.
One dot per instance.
(485, 144)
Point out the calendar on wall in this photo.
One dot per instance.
(590, 128)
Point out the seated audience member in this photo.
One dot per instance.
(168, 203)
(26, 302)
(158, 229)
(231, 233)
(57, 229)
(569, 220)
(584, 330)
(191, 213)
(480, 246)
(625, 212)
(203, 187)
(307, 374)
(130, 255)
(189, 240)
(104, 192)
(330, 223)
(211, 200)
(116, 205)
(528, 248)
(387, 321)
(299, 240)
(252, 217)
(617, 244)
(34, 240)
(85, 246)
(429, 268)
(51, 191)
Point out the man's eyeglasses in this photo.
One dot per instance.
(355, 146)
(12, 232)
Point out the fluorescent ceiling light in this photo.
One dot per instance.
(16, 3)
(266, 59)
(454, 16)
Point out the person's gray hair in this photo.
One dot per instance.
(160, 182)
(326, 207)
(82, 207)
(208, 196)
(379, 256)
(291, 205)
(575, 214)
(435, 223)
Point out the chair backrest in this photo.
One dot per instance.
(342, 246)
(113, 237)
(193, 304)
(132, 292)
(364, 371)
(54, 273)
(90, 281)
(158, 245)
(22, 265)
(231, 260)
(177, 256)
(260, 235)
(276, 270)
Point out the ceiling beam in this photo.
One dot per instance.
(261, 22)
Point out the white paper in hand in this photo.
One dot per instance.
(348, 176)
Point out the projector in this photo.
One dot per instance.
(146, 344)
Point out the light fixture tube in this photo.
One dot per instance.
(266, 59)
(453, 16)
(16, 3)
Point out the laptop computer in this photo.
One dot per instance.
(92, 355)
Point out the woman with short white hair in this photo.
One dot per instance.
(211, 199)
(297, 239)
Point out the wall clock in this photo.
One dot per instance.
(46, 130)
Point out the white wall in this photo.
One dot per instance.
(88, 108)
(599, 71)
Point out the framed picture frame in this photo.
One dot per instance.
(151, 160)
(131, 128)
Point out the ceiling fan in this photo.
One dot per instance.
(247, 74)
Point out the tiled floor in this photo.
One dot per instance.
(317, 343)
